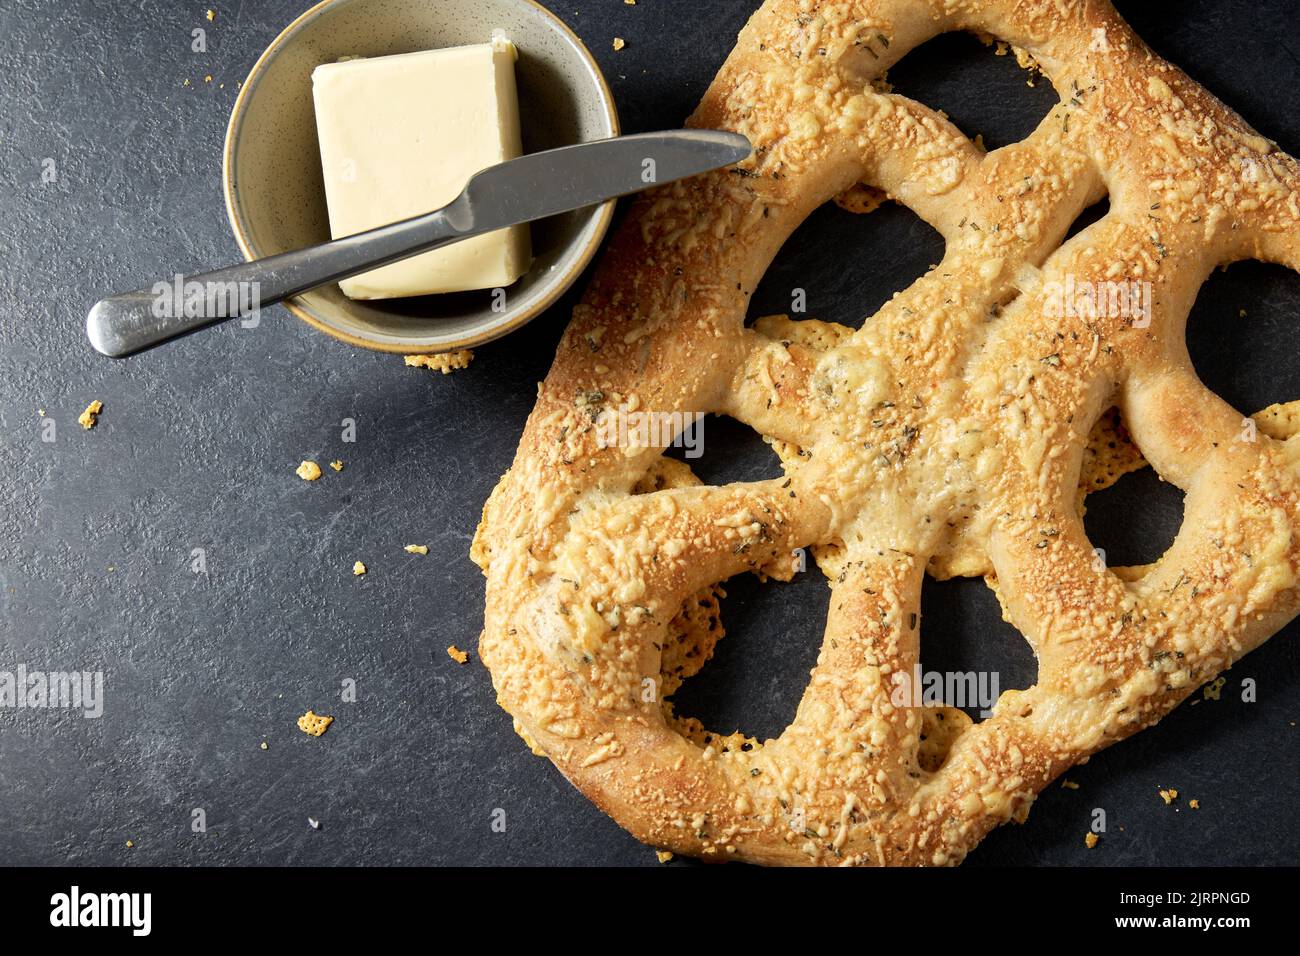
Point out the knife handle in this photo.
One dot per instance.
(130, 322)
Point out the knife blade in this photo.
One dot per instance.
(519, 190)
(559, 180)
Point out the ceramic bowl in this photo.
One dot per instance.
(275, 195)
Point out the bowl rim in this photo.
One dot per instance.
(559, 284)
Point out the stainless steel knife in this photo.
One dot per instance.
(520, 190)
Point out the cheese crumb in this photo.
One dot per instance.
(1169, 796)
(457, 655)
(264, 745)
(88, 418)
(212, 15)
(1194, 804)
(417, 549)
(1090, 840)
(662, 855)
(314, 724)
(308, 471)
(208, 78)
(358, 569)
(130, 844)
(336, 465)
(444, 362)
(619, 43)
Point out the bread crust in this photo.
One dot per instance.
(949, 432)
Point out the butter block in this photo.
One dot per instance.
(401, 136)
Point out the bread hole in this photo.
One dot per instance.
(841, 266)
(758, 672)
(721, 450)
(1090, 215)
(1237, 333)
(1130, 515)
(969, 654)
(1133, 521)
(940, 728)
(983, 93)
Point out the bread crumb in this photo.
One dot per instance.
(314, 724)
(619, 43)
(1069, 785)
(208, 78)
(186, 83)
(662, 855)
(308, 471)
(336, 465)
(1090, 840)
(314, 824)
(211, 15)
(417, 549)
(130, 844)
(358, 569)
(1194, 804)
(1169, 796)
(457, 655)
(1211, 690)
(444, 362)
(89, 417)
(264, 746)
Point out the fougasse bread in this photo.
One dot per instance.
(955, 431)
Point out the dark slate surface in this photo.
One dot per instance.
(198, 442)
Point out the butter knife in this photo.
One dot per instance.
(517, 191)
